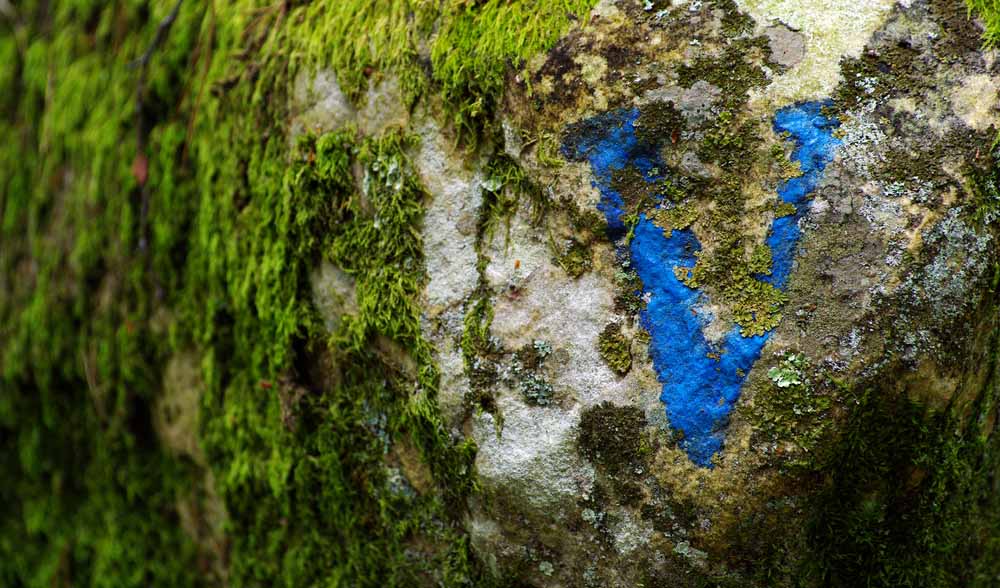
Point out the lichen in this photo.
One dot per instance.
(614, 347)
(575, 258)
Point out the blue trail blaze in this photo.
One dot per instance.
(699, 390)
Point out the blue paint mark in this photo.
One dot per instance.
(814, 148)
(699, 391)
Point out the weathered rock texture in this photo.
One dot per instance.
(367, 294)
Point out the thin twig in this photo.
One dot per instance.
(204, 52)
(143, 64)
(161, 33)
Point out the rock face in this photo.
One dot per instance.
(768, 212)
(575, 293)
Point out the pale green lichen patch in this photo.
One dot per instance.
(832, 30)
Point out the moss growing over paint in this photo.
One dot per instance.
(615, 348)
(640, 192)
(731, 267)
(755, 304)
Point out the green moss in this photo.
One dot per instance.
(575, 258)
(676, 218)
(99, 290)
(506, 183)
(985, 187)
(793, 408)
(730, 268)
(615, 348)
(639, 194)
(735, 72)
(784, 209)
(476, 42)
(909, 496)
(989, 11)
(734, 22)
(657, 121)
(755, 304)
(587, 222)
(628, 296)
(612, 438)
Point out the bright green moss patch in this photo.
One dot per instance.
(106, 276)
(329, 473)
(989, 11)
(476, 42)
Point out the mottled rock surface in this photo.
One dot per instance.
(886, 285)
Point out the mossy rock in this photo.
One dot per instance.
(330, 293)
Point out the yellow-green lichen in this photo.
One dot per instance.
(615, 348)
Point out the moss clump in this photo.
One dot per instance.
(734, 22)
(628, 296)
(575, 258)
(476, 43)
(612, 437)
(640, 192)
(784, 209)
(735, 72)
(615, 348)
(755, 304)
(677, 218)
(658, 122)
(989, 11)
(505, 185)
(909, 496)
(985, 187)
(793, 408)
(205, 244)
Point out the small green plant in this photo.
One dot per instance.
(789, 373)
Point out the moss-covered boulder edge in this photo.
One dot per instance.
(158, 230)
